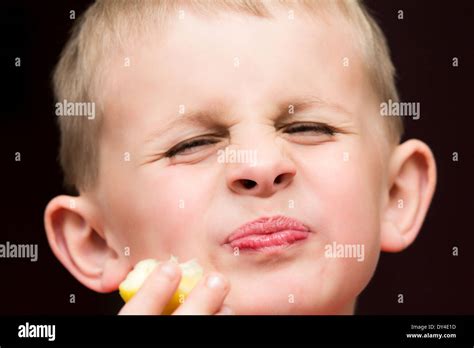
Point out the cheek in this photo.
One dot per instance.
(351, 203)
(156, 212)
(345, 190)
(345, 182)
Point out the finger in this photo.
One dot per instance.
(207, 297)
(225, 310)
(155, 292)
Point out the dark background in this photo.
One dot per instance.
(422, 44)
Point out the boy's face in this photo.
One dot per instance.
(242, 74)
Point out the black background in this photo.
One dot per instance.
(422, 44)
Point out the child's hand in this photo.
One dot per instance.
(206, 298)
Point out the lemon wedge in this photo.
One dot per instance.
(191, 273)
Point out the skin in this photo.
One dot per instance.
(189, 204)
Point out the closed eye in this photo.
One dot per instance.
(189, 146)
(310, 127)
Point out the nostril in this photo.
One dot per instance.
(248, 184)
(278, 179)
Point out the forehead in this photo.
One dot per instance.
(236, 61)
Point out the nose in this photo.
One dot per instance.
(270, 173)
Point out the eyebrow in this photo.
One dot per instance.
(211, 116)
(301, 104)
(206, 118)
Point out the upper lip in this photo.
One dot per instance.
(266, 225)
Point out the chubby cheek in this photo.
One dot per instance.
(349, 190)
(351, 194)
(156, 213)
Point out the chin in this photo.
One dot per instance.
(274, 306)
(286, 292)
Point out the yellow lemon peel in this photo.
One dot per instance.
(191, 273)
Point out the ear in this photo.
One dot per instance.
(410, 188)
(76, 236)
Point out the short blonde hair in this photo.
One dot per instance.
(108, 24)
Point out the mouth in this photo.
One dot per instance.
(268, 234)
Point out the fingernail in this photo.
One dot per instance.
(169, 270)
(214, 281)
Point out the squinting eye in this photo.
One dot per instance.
(186, 147)
(310, 127)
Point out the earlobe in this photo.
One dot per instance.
(76, 237)
(393, 239)
(411, 185)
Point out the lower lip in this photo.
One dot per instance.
(269, 242)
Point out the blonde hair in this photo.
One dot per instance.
(108, 24)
